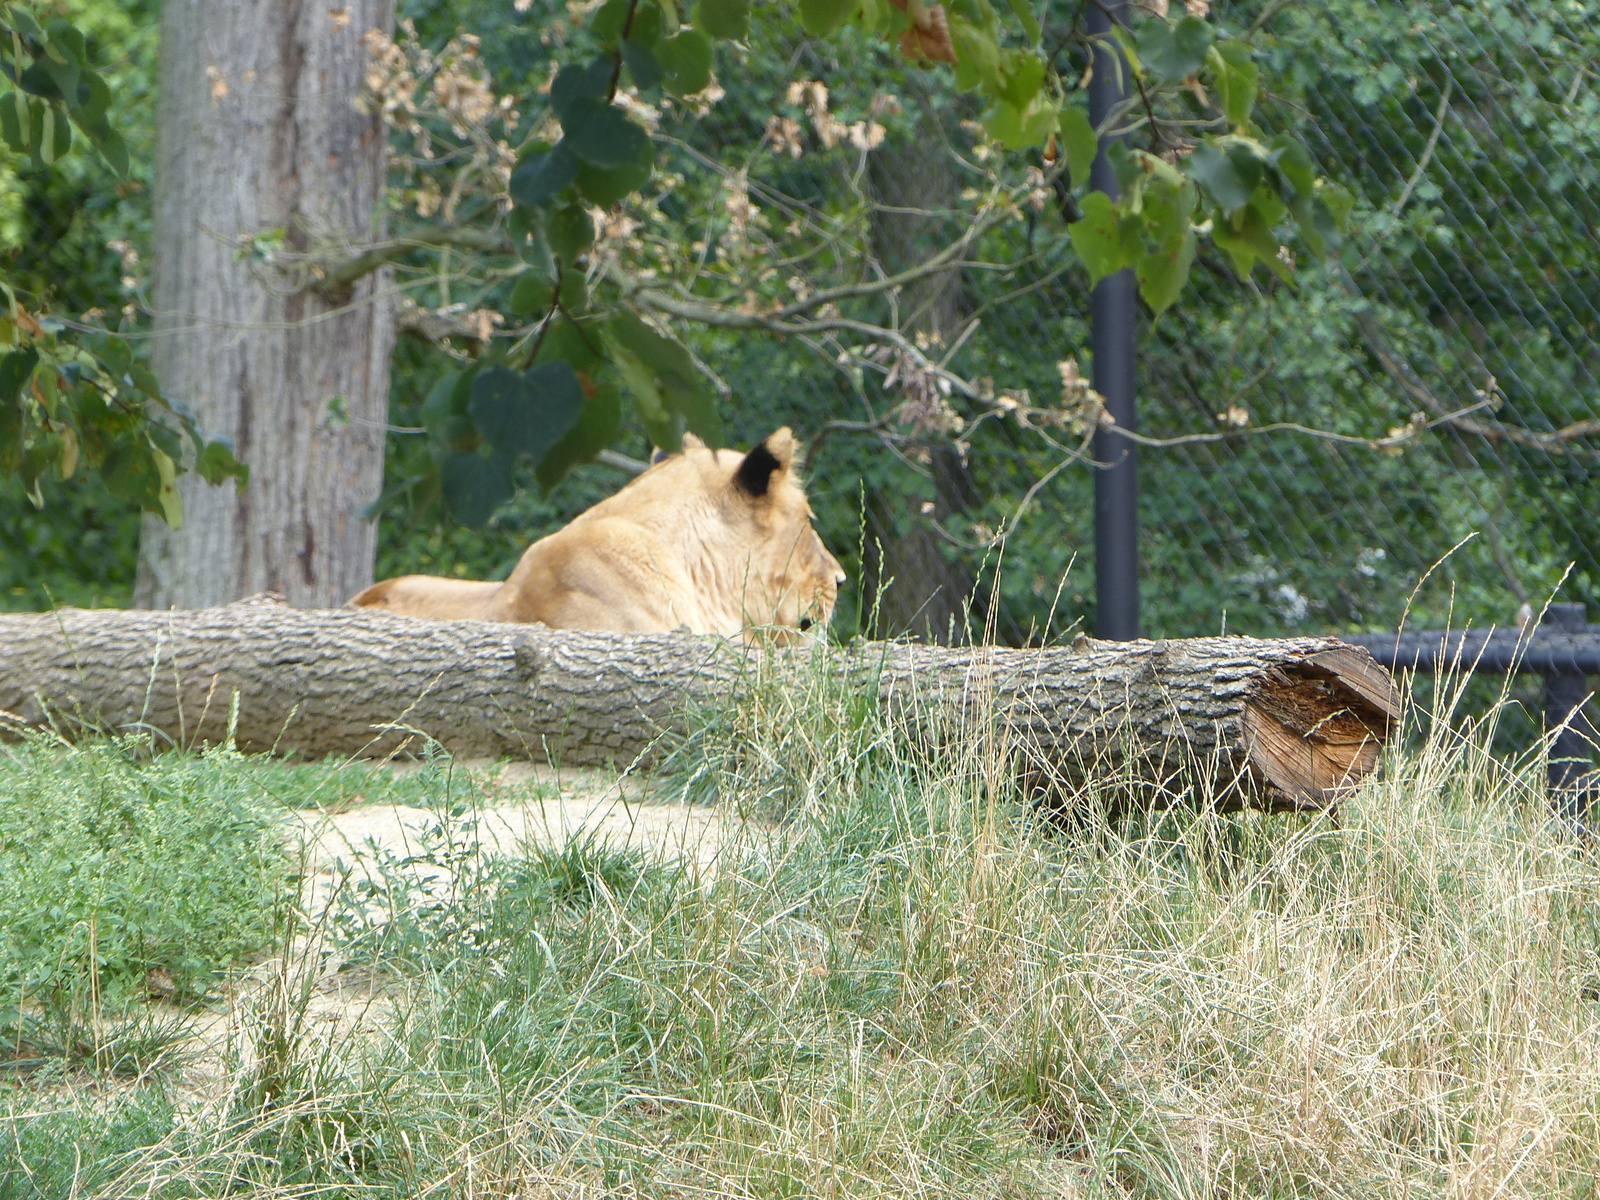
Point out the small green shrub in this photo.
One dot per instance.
(121, 874)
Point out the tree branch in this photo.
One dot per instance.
(724, 318)
(337, 279)
(1377, 339)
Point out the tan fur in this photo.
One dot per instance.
(683, 545)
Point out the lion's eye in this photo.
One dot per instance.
(805, 624)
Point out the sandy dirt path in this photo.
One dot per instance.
(520, 803)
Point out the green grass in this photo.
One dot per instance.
(906, 987)
(119, 874)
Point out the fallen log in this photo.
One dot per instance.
(1289, 723)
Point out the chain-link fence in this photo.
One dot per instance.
(1468, 133)
(1466, 297)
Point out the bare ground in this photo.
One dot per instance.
(521, 804)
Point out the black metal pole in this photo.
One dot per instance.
(1112, 311)
(1571, 776)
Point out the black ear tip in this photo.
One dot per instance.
(755, 472)
(658, 455)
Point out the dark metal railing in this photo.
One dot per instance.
(1564, 648)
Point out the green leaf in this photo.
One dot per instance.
(1163, 272)
(40, 81)
(1168, 208)
(570, 232)
(216, 462)
(527, 232)
(1023, 11)
(164, 439)
(574, 292)
(1236, 77)
(114, 149)
(1329, 213)
(575, 86)
(663, 355)
(57, 139)
(525, 412)
(130, 474)
(1305, 216)
(686, 58)
(698, 408)
(474, 486)
(24, 141)
(1218, 173)
(579, 349)
(607, 186)
(1022, 74)
(674, 383)
(1017, 130)
(10, 431)
(647, 22)
(539, 177)
(25, 23)
(1079, 144)
(444, 412)
(642, 64)
(1338, 202)
(64, 36)
(65, 75)
(608, 22)
(532, 294)
(1246, 238)
(648, 403)
(10, 127)
(596, 428)
(978, 56)
(1294, 163)
(167, 490)
(144, 380)
(1098, 237)
(601, 135)
(1265, 201)
(726, 19)
(16, 368)
(90, 104)
(822, 17)
(1172, 53)
(1125, 168)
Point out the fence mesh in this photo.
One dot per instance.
(1468, 284)
(1467, 133)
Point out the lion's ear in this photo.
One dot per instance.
(754, 474)
(690, 442)
(658, 455)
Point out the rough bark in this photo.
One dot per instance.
(914, 584)
(1284, 724)
(257, 132)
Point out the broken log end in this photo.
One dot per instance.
(1314, 727)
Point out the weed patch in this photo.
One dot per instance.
(123, 877)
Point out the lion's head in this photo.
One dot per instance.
(762, 547)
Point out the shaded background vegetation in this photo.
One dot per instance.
(1468, 135)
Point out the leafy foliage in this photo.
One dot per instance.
(1474, 257)
(80, 395)
(584, 302)
(120, 876)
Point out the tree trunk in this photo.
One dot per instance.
(1281, 724)
(911, 580)
(258, 136)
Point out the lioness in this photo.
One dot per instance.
(711, 540)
